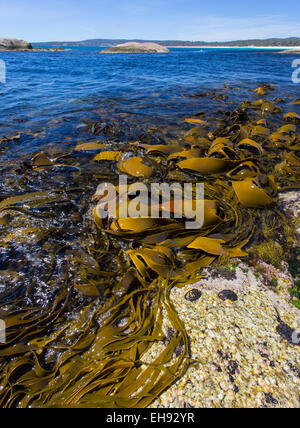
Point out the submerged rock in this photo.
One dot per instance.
(14, 45)
(134, 47)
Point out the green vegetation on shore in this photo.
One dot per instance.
(291, 41)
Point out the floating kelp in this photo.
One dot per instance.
(85, 305)
(291, 117)
(206, 165)
(251, 194)
(265, 106)
(89, 146)
(251, 146)
(197, 121)
(260, 91)
(194, 152)
(295, 102)
(259, 130)
(222, 148)
(244, 170)
(41, 160)
(214, 246)
(287, 129)
(161, 149)
(135, 167)
(109, 156)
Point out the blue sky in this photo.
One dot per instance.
(209, 20)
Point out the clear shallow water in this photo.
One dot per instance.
(46, 85)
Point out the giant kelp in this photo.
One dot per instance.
(83, 298)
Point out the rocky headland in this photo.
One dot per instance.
(16, 45)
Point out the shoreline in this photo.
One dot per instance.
(53, 49)
(293, 48)
(95, 302)
(238, 47)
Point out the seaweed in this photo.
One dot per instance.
(84, 304)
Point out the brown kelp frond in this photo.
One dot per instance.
(85, 310)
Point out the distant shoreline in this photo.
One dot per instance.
(280, 48)
(270, 43)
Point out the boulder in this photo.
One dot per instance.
(134, 47)
(14, 45)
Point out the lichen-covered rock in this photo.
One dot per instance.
(134, 47)
(245, 352)
(14, 44)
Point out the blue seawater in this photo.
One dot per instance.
(44, 87)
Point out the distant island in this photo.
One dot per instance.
(274, 42)
(135, 47)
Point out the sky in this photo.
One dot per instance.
(197, 20)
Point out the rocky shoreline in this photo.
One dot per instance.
(16, 45)
(244, 337)
(241, 353)
(228, 336)
(36, 50)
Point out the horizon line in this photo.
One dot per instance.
(168, 40)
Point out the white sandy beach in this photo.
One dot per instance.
(280, 48)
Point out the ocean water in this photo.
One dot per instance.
(81, 83)
(54, 261)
